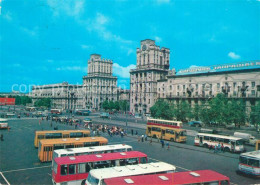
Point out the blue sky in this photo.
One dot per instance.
(50, 41)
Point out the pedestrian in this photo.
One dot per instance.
(145, 137)
(151, 140)
(158, 138)
(136, 133)
(222, 147)
(219, 147)
(139, 139)
(168, 145)
(142, 138)
(2, 137)
(39, 122)
(132, 132)
(162, 143)
(215, 148)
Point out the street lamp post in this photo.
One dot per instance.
(126, 116)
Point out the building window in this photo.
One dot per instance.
(234, 84)
(253, 92)
(178, 87)
(253, 84)
(149, 101)
(183, 93)
(218, 85)
(178, 94)
(183, 87)
(170, 87)
(197, 86)
(197, 93)
(234, 93)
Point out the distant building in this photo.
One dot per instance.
(99, 84)
(152, 80)
(63, 95)
(123, 94)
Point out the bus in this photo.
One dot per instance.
(97, 176)
(55, 134)
(249, 163)
(92, 150)
(207, 177)
(3, 123)
(165, 123)
(74, 169)
(46, 146)
(56, 111)
(167, 133)
(230, 143)
(257, 145)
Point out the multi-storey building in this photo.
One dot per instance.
(99, 84)
(123, 95)
(63, 95)
(152, 65)
(152, 80)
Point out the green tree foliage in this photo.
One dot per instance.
(162, 109)
(43, 102)
(124, 105)
(105, 105)
(21, 100)
(255, 115)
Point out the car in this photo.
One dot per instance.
(138, 116)
(195, 124)
(104, 115)
(87, 120)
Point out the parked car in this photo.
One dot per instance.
(195, 124)
(104, 115)
(138, 116)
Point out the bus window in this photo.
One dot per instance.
(226, 141)
(132, 161)
(122, 162)
(55, 166)
(86, 135)
(224, 183)
(83, 168)
(58, 147)
(57, 135)
(40, 136)
(48, 136)
(212, 138)
(239, 142)
(79, 134)
(63, 169)
(253, 162)
(211, 183)
(72, 169)
(206, 138)
(129, 149)
(69, 146)
(183, 133)
(143, 160)
(220, 140)
(243, 160)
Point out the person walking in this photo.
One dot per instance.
(136, 133)
(168, 145)
(139, 138)
(151, 140)
(162, 143)
(142, 138)
(132, 132)
(215, 148)
(2, 137)
(158, 138)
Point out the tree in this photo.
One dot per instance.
(116, 105)
(105, 105)
(124, 105)
(111, 105)
(43, 102)
(255, 115)
(182, 111)
(162, 109)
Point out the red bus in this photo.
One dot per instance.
(164, 123)
(208, 177)
(74, 169)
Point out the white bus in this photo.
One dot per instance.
(3, 123)
(230, 143)
(249, 163)
(91, 150)
(97, 176)
(56, 111)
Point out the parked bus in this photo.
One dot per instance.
(74, 169)
(92, 150)
(167, 133)
(46, 146)
(97, 176)
(200, 177)
(56, 111)
(3, 123)
(165, 123)
(230, 143)
(55, 134)
(249, 163)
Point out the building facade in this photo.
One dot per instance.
(99, 84)
(152, 80)
(63, 95)
(152, 65)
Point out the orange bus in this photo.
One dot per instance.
(47, 146)
(56, 134)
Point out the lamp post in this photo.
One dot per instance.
(126, 116)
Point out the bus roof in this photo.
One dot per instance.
(220, 136)
(188, 177)
(72, 140)
(254, 154)
(130, 170)
(59, 131)
(169, 128)
(98, 157)
(90, 149)
(1, 119)
(170, 121)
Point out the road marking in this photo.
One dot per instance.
(5, 178)
(25, 169)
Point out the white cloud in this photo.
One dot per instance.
(69, 7)
(122, 71)
(72, 68)
(233, 55)
(158, 39)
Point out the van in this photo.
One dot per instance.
(248, 138)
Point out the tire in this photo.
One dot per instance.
(172, 140)
(154, 136)
(83, 182)
(226, 149)
(205, 145)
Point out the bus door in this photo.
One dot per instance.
(66, 135)
(149, 131)
(232, 149)
(47, 154)
(78, 145)
(163, 134)
(201, 140)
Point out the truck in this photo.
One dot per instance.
(248, 138)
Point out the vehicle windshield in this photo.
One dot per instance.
(183, 133)
(239, 142)
(92, 180)
(54, 167)
(54, 155)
